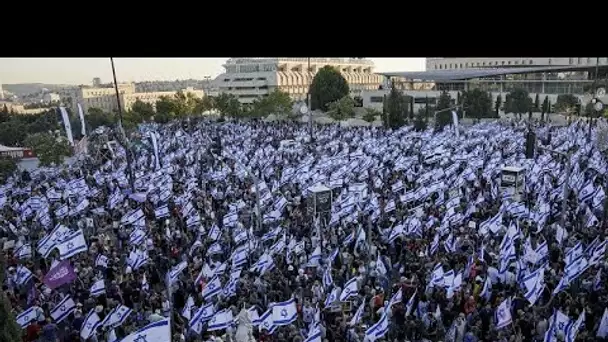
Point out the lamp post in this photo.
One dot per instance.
(129, 170)
(308, 99)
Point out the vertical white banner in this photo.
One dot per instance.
(155, 145)
(455, 122)
(83, 131)
(66, 124)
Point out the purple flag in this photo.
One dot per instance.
(62, 273)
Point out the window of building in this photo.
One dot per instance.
(530, 62)
(450, 65)
(376, 99)
(226, 80)
(509, 62)
(588, 60)
(571, 60)
(460, 66)
(516, 62)
(466, 65)
(580, 61)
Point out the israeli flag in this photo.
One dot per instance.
(137, 237)
(380, 267)
(98, 288)
(503, 314)
(24, 252)
(314, 335)
(350, 289)
(379, 329)
(255, 317)
(51, 240)
(72, 245)
(162, 211)
(90, 324)
(213, 288)
(63, 309)
(357, 317)
(154, 332)
(267, 322)
(221, 320)
(203, 314)
(573, 329)
(602, 330)
(101, 261)
(327, 279)
(23, 275)
(27, 316)
(332, 297)
(187, 311)
(117, 316)
(284, 313)
(396, 298)
(176, 271)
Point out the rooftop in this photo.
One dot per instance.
(465, 74)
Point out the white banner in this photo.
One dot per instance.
(82, 127)
(66, 124)
(455, 122)
(155, 145)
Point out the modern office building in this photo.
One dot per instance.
(543, 76)
(250, 78)
(105, 98)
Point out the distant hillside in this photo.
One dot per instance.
(23, 89)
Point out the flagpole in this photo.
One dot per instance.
(129, 171)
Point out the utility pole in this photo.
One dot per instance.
(126, 143)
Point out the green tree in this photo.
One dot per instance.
(565, 103)
(342, 109)
(228, 104)
(478, 103)
(13, 133)
(327, 86)
(458, 98)
(9, 330)
(396, 109)
(7, 166)
(49, 148)
(371, 114)
(443, 118)
(544, 108)
(4, 114)
(143, 110)
(166, 105)
(277, 102)
(410, 101)
(518, 102)
(184, 103)
(204, 104)
(497, 105)
(536, 103)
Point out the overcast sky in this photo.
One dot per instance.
(83, 70)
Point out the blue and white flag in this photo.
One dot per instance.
(27, 316)
(63, 309)
(23, 275)
(51, 240)
(327, 279)
(154, 332)
(379, 329)
(90, 324)
(350, 289)
(117, 316)
(203, 314)
(284, 313)
(212, 288)
(101, 261)
(72, 244)
(602, 329)
(503, 314)
(397, 298)
(174, 272)
(98, 288)
(333, 296)
(187, 310)
(314, 335)
(572, 329)
(221, 320)
(357, 317)
(162, 211)
(267, 322)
